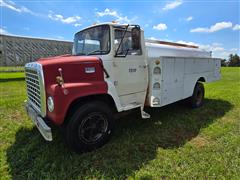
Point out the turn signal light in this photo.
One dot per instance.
(157, 62)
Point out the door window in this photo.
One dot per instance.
(126, 46)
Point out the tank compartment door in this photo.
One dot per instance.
(172, 78)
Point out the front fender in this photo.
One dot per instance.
(64, 95)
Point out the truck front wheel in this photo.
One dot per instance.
(89, 127)
(196, 100)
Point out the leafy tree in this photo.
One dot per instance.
(234, 60)
(223, 62)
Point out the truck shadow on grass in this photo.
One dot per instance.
(135, 142)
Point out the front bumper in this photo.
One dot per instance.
(43, 128)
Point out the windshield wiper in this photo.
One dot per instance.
(116, 54)
(96, 51)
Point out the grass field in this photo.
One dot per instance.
(11, 69)
(11, 76)
(11, 73)
(176, 143)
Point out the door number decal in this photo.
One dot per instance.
(131, 70)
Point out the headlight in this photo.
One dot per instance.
(50, 104)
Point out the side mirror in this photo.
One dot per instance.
(136, 38)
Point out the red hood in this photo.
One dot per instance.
(77, 81)
(67, 59)
(73, 68)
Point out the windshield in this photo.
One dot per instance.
(95, 40)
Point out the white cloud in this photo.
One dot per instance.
(3, 31)
(216, 27)
(124, 19)
(236, 27)
(152, 38)
(225, 53)
(189, 43)
(160, 27)
(234, 49)
(207, 47)
(217, 49)
(118, 17)
(199, 30)
(77, 24)
(172, 5)
(220, 26)
(9, 5)
(146, 25)
(189, 18)
(66, 20)
(217, 44)
(21, 9)
(107, 12)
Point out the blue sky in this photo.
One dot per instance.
(213, 24)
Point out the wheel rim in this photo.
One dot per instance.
(93, 127)
(199, 97)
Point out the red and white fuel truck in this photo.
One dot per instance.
(112, 69)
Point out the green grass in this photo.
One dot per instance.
(6, 76)
(11, 68)
(11, 73)
(176, 143)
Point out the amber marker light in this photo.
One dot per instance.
(157, 62)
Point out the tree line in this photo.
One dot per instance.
(232, 61)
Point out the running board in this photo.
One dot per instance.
(131, 106)
(136, 105)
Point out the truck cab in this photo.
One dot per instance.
(112, 69)
(123, 53)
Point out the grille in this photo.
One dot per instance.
(35, 87)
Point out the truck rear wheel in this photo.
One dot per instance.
(196, 100)
(89, 127)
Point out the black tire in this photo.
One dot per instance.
(89, 127)
(196, 100)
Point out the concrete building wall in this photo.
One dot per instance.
(17, 51)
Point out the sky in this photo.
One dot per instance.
(213, 25)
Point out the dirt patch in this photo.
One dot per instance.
(199, 142)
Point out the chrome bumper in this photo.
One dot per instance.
(43, 128)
